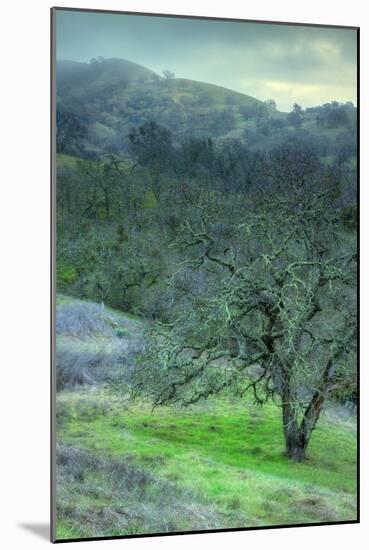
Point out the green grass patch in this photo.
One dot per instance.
(65, 273)
(229, 452)
(67, 161)
(149, 200)
(65, 530)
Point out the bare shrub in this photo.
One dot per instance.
(93, 345)
(76, 367)
(82, 319)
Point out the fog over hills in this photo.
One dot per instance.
(116, 71)
(111, 95)
(105, 98)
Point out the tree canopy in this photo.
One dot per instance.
(263, 300)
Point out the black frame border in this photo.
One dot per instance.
(53, 12)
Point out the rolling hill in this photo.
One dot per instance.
(112, 95)
(102, 100)
(99, 75)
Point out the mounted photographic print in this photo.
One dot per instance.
(204, 365)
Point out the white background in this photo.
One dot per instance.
(24, 270)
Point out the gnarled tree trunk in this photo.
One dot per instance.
(297, 435)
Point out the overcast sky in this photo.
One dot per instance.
(307, 65)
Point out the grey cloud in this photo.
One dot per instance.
(298, 63)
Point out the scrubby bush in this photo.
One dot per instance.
(75, 367)
(93, 346)
(82, 319)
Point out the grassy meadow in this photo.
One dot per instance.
(126, 469)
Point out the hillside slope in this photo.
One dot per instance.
(98, 104)
(112, 95)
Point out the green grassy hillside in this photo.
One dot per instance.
(228, 455)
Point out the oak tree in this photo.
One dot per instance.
(263, 300)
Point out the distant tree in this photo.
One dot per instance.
(262, 114)
(238, 168)
(151, 147)
(295, 162)
(264, 127)
(346, 143)
(296, 117)
(271, 103)
(204, 99)
(231, 99)
(168, 74)
(319, 121)
(247, 111)
(349, 106)
(336, 116)
(222, 121)
(196, 159)
(277, 124)
(70, 132)
(94, 61)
